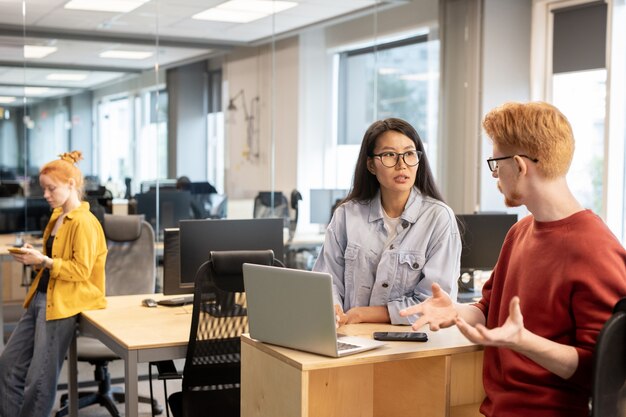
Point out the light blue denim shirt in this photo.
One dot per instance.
(427, 249)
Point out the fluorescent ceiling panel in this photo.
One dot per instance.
(35, 91)
(6, 100)
(66, 76)
(114, 6)
(119, 54)
(35, 51)
(244, 11)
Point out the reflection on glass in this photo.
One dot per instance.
(586, 175)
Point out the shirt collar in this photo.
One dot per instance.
(411, 210)
(84, 206)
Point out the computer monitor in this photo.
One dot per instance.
(174, 205)
(482, 236)
(24, 214)
(198, 237)
(322, 203)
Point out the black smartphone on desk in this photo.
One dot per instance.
(401, 336)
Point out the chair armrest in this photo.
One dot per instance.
(167, 370)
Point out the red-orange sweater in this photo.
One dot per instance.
(568, 274)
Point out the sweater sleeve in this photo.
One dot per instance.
(598, 286)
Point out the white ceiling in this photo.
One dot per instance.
(81, 35)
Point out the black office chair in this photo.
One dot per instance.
(212, 370)
(272, 205)
(608, 396)
(294, 202)
(130, 269)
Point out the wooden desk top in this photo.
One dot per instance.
(444, 342)
(8, 240)
(134, 326)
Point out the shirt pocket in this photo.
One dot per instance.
(410, 266)
(359, 272)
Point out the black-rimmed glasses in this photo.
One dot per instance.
(390, 159)
(493, 162)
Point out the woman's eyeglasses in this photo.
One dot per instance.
(390, 159)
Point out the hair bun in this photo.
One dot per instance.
(72, 157)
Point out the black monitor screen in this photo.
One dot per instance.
(174, 205)
(322, 203)
(19, 214)
(482, 237)
(199, 237)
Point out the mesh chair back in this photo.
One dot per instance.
(609, 373)
(269, 204)
(219, 318)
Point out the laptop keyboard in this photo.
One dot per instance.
(345, 346)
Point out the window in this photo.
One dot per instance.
(579, 80)
(127, 126)
(396, 79)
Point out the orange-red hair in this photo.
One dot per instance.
(64, 168)
(537, 129)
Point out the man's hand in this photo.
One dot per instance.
(508, 335)
(438, 311)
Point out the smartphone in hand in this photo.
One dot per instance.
(17, 251)
(401, 336)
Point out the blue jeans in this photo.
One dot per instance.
(31, 362)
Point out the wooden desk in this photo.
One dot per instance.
(135, 333)
(442, 377)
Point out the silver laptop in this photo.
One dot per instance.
(294, 308)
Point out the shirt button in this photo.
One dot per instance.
(391, 247)
(405, 224)
(385, 285)
(416, 265)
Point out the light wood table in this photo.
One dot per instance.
(135, 333)
(442, 377)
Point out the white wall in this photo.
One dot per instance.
(276, 123)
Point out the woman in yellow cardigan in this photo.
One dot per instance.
(70, 280)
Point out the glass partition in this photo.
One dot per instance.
(149, 101)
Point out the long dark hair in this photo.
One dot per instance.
(365, 185)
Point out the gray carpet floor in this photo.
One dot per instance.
(116, 368)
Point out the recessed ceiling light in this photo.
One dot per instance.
(7, 99)
(122, 6)
(35, 51)
(66, 76)
(244, 11)
(35, 91)
(119, 54)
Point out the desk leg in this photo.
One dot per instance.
(72, 383)
(131, 384)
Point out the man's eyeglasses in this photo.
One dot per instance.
(390, 159)
(493, 162)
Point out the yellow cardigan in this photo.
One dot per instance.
(77, 276)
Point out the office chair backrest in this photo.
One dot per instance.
(271, 204)
(131, 263)
(608, 397)
(219, 318)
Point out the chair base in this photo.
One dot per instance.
(107, 400)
